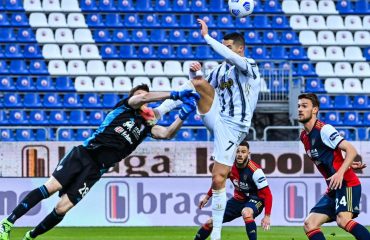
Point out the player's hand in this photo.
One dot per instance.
(149, 115)
(203, 202)
(358, 165)
(180, 95)
(265, 222)
(195, 66)
(203, 27)
(188, 106)
(335, 181)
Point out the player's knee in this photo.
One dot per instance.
(218, 181)
(64, 205)
(309, 225)
(342, 220)
(209, 224)
(247, 214)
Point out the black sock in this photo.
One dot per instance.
(33, 198)
(48, 223)
(203, 233)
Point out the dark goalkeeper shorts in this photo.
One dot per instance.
(77, 172)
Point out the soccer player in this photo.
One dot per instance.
(228, 98)
(324, 145)
(251, 195)
(121, 132)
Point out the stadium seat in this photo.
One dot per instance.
(270, 37)
(324, 69)
(278, 52)
(96, 117)
(13, 5)
(108, 52)
(38, 117)
(344, 38)
(360, 102)
(272, 6)
(173, 68)
(32, 5)
(134, 67)
(44, 84)
(38, 67)
(362, 38)
(110, 99)
(160, 36)
(125, 6)
(70, 51)
(316, 22)
(32, 100)
(44, 35)
(127, 51)
(84, 84)
(94, 20)
(64, 84)
(298, 22)
(122, 84)
(353, 23)
(52, 100)
(32, 51)
(4, 19)
(308, 37)
(19, 20)
(57, 67)
(72, 100)
(316, 53)
(187, 21)
(199, 6)
(75, 20)
(343, 69)
(327, 7)
(115, 67)
(326, 38)
(3, 118)
(333, 118)
(13, 51)
(306, 69)
(252, 37)
(342, 102)
(261, 21)
(225, 21)
(51, 51)
(259, 52)
(57, 117)
(163, 6)
(289, 37)
(352, 85)
(184, 52)
(83, 134)
(131, 20)
(18, 67)
(106, 5)
(6, 83)
(146, 52)
(12, 100)
(24, 83)
(64, 35)
(243, 23)
(24, 135)
(102, 35)
(180, 6)
(161, 84)
(184, 135)
(91, 100)
(297, 53)
(17, 117)
(120, 35)
(362, 134)
(7, 35)
(26, 35)
(78, 117)
(258, 7)
(344, 6)
(103, 84)
(333, 85)
(290, 7)
(334, 53)
(361, 69)
(177, 36)
(314, 85)
(57, 20)
(335, 22)
(366, 119)
(70, 6)
(366, 85)
(6, 135)
(76, 67)
(113, 20)
(65, 135)
(352, 119)
(83, 36)
(153, 68)
(141, 80)
(279, 22)
(362, 7)
(353, 53)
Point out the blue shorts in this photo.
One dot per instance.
(345, 199)
(234, 208)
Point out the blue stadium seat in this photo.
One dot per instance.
(362, 134)
(258, 7)
(352, 119)
(366, 119)
(144, 6)
(140, 35)
(38, 67)
(4, 19)
(3, 118)
(151, 20)
(252, 37)
(159, 36)
(325, 102)
(177, 35)
(165, 52)
(6, 83)
(342, 102)
(94, 20)
(279, 22)
(41, 135)
(169, 20)
(19, 20)
(13, 51)
(38, 117)
(106, 5)
(127, 51)
(102, 35)
(297, 53)
(185, 135)
(113, 20)
(217, 5)
(166, 120)
(78, 117)
(208, 18)
(121, 35)
(199, 6)
(17, 117)
(360, 102)
(344, 6)
(367, 53)
(346, 134)
(200, 134)
(88, 5)
(193, 120)
(163, 6)
(125, 6)
(306, 69)
(184, 52)
(110, 100)
(362, 6)
(259, 52)
(57, 117)
(32, 51)
(72, 100)
(32, 100)
(44, 84)
(333, 118)
(64, 84)
(26, 35)
(3, 67)
(66, 135)
(181, 6)
(1, 52)
(96, 117)
(272, 6)
(13, 5)
(314, 85)
(225, 21)
(109, 52)
(83, 134)
(6, 135)
(187, 21)
(146, 52)
(203, 52)
(243, 23)
(261, 21)
(289, 37)
(131, 20)
(278, 52)
(276, 84)
(194, 36)
(7, 35)
(91, 100)
(24, 135)
(12, 100)
(18, 67)
(52, 100)
(270, 37)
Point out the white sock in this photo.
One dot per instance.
(170, 104)
(218, 210)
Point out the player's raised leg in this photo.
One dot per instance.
(312, 225)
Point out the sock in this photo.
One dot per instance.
(218, 210)
(48, 223)
(315, 234)
(33, 198)
(251, 228)
(203, 233)
(170, 104)
(357, 230)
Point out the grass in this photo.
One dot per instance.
(173, 233)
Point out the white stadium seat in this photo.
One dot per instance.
(298, 22)
(177, 82)
(290, 7)
(327, 7)
(51, 5)
(84, 84)
(90, 51)
(343, 69)
(141, 80)
(344, 38)
(362, 38)
(307, 37)
(76, 20)
(308, 7)
(134, 67)
(96, 67)
(161, 84)
(208, 66)
(32, 5)
(186, 66)
(103, 84)
(333, 85)
(69, 6)
(334, 53)
(70, 51)
(122, 84)
(57, 20)
(353, 23)
(64, 35)
(334, 22)
(76, 67)
(115, 67)
(316, 53)
(44, 35)
(366, 85)
(366, 22)
(153, 68)
(324, 69)
(353, 53)
(57, 67)
(326, 38)
(82, 35)
(361, 69)
(352, 85)
(316, 22)
(51, 51)
(173, 68)
(38, 20)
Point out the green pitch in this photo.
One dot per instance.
(174, 233)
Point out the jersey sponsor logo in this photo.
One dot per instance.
(295, 201)
(333, 136)
(314, 153)
(117, 202)
(261, 179)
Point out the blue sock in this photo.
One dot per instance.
(251, 228)
(315, 235)
(357, 230)
(203, 233)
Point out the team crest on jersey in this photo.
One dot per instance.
(227, 84)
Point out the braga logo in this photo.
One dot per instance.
(295, 201)
(117, 202)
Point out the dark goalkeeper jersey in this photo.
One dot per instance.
(122, 130)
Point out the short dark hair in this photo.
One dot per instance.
(238, 38)
(143, 86)
(244, 143)
(311, 96)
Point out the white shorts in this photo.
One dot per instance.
(226, 139)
